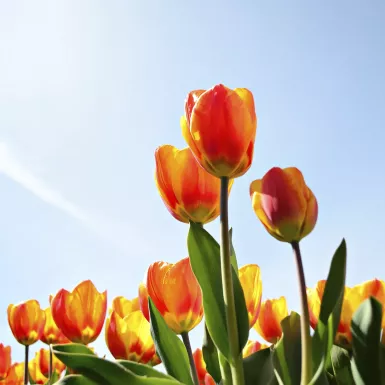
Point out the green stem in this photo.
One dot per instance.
(306, 371)
(50, 364)
(236, 362)
(193, 369)
(26, 372)
(225, 370)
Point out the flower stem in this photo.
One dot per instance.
(193, 369)
(225, 370)
(235, 361)
(306, 370)
(26, 372)
(50, 364)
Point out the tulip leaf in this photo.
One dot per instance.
(330, 312)
(341, 366)
(258, 368)
(75, 379)
(210, 356)
(233, 256)
(145, 370)
(366, 330)
(73, 348)
(287, 354)
(169, 347)
(104, 372)
(204, 252)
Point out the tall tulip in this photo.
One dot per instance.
(268, 325)
(188, 191)
(284, 204)
(220, 126)
(175, 292)
(250, 278)
(5, 361)
(80, 314)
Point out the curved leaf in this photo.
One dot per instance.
(169, 347)
(145, 370)
(75, 379)
(340, 360)
(210, 356)
(258, 368)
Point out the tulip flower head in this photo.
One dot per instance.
(26, 321)
(124, 306)
(284, 204)
(15, 374)
(5, 361)
(203, 376)
(51, 333)
(353, 297)
(253, 347)
(268, 325)
(35, 373)
(175, 292)
(188, 191)
(250, 278)
(80, 314)
(42, 360)
(220, 126)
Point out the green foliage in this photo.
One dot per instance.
(210, 356)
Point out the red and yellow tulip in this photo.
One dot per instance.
(5, 361)
(42, 360)
(175, 292)
(188, 191)
(15, 375)
(80, 314)
(26, 321)
(51, 333)
(284, 204)
(253, 347)
(203, 376)
(124, 306)
(250, 278)
(353, 297)
(220, 126)
(268, 325)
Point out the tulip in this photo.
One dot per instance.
(129, 338)
(155, 360)
(80, 314)
(5, 361)
(15, 374)
(353, 297)
(220, 126)
(26, 321)
(203, 376)
(124, 306)
(250, 278)
(175, 292)
(187, 190)
(35, 373)
(42, 359)
(51, 333)
(268, 325)
(284, 204)
(253, 347)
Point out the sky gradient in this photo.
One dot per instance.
(89, 89)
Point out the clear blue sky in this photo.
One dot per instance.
(89, 89)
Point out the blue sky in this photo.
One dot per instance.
(89, 89)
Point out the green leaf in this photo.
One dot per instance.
(145, 370)
(169, 347)
(75, 379)
(73, 348)
(366, 331)
(210, 356)
(287, 355)
(233, 256)
(204, 254)
(340, 361)
(104, 372)
(330, 312)
(258, 368)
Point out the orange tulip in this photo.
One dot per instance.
(220, 126)
(253, 347)
(284, 204)
(51, 333)
(5, 361)
(34, 371)
(187, 190)
(15, 374)
(175, 292)
(353, 297)
(124, 306)
(268, 325)
(42, 360)
(203, 376)
(80, 314)
(129, 338)
(250, 277)
(26, 321)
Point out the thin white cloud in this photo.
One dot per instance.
(13, 169)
